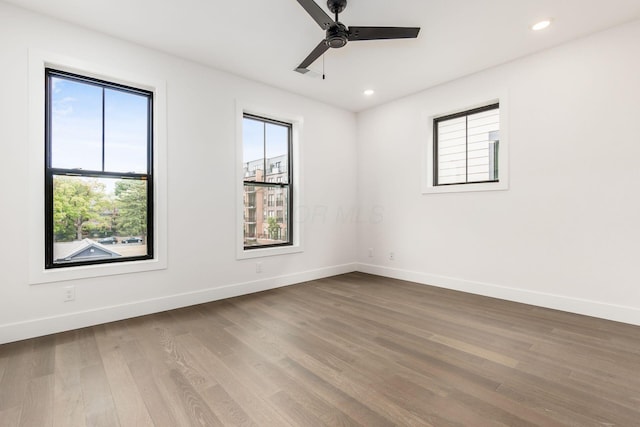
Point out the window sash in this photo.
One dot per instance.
(253, 215)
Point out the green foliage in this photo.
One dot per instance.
(77, 206)
(273, 228)
(131, 204)
(82, 207)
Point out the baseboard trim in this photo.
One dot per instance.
(601, 310)
(50, 325)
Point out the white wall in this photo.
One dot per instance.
(201, 189)
(566, 234)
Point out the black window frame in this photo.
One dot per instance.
(50, 171)
(436, 157)
(272, 184)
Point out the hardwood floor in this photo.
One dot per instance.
(349, 350)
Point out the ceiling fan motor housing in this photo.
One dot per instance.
(337, 36)
(336, 6)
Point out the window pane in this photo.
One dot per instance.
(452, 132)
(76, 125)
(483, 130)
(253, 149)
(452, 151)
(277, 149)
(98, 218)
(126, 131)
(266, 215)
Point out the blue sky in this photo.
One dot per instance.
(253, 135)
(77, 128)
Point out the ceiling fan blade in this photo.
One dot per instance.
(381, 33)
(316, 12)
(315, 54)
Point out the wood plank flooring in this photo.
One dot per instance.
(352, 350)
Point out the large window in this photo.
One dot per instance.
(267, 182)
(98, 171)
(466, 147)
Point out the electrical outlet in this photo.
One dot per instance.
(392, 256)
(69, 293)
(258, 267)
(370, 252)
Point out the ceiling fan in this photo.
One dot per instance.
(339, 34)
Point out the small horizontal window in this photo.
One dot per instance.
(466, 147)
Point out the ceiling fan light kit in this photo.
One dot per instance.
(338, 34)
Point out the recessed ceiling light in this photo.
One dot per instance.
(541, 25)
(369, 92)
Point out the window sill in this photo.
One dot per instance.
(266, 252)
(90, 271)
(466, 188)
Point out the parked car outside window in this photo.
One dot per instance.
(132, 240)
(108, 240)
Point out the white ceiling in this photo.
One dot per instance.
(265, 40)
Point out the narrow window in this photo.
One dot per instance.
(466, 146)
(268, 184)
(98, 171)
